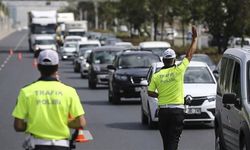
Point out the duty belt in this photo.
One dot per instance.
(171, 106)
(30, 142)
(64, 143)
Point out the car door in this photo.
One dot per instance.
(144, 92)
(225, 79)
(234, 117)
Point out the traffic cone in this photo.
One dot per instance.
(34, 63)
(10, 51)
(80, 137)
(20, 56)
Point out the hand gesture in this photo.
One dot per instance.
(194, 32)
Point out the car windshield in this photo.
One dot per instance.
(203, 59)
(45, 42)
(104, 57)
(137, 61)
(82, 51)
(157, 51)
(88, 46)
(73, 40)
(70, 45)
(198, 75)
(76, 33)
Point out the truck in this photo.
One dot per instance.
(79, 28)
(63, 18)
(41, 22)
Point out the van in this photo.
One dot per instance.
(232, 113)
(237, 42)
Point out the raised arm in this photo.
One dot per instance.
(192, 48)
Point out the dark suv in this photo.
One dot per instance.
(98, 60)
(232, 113)
(128, 70)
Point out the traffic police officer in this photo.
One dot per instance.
(169, 82)
(43, 108)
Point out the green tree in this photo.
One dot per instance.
(3, 9)
(108, 12)
(133, 12)
(215, 16)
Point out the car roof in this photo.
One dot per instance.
(106, 48)
(243, 53)
(89, 42)
(44, 37)
(151, 44)
(73, 37)
(135, 51)
(191, 64)
(70, 42)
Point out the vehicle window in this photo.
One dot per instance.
(236, 84)
(104, 57)
(248, 81)
(44, 42)
(88, 46)
(137, 61)
(222, 74)
(198, 75)
(71, 45)
(204, 59)
(149, 75)
(157, 51)
(228, 76)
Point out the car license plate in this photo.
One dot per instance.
(103, 76)
(193, 111)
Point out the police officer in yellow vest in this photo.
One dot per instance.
(43, 108)
(169, 82)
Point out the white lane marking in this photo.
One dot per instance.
(9, 56)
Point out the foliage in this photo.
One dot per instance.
(3, 9)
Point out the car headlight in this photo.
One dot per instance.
(211, 98)
(96, 68)
(121, 77)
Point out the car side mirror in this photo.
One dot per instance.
(229, 98)
(144, 83)
(111, 67)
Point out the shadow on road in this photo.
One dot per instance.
(96, 102)
(128, 126)
(198, 126)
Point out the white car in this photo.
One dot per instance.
(157, 47)
(84, 64)
(199, 84)
(88, 44)
(125, 44)
(75, 38)
(68, 51)
(44, 42)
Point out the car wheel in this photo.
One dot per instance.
(151, 124)
(110, 95)
(116, 99)
(92, 84)
(75, 69)
(144, 118)
(218, 140)
(83, 76)
(244, 144)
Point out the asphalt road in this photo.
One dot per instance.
(114, 127)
